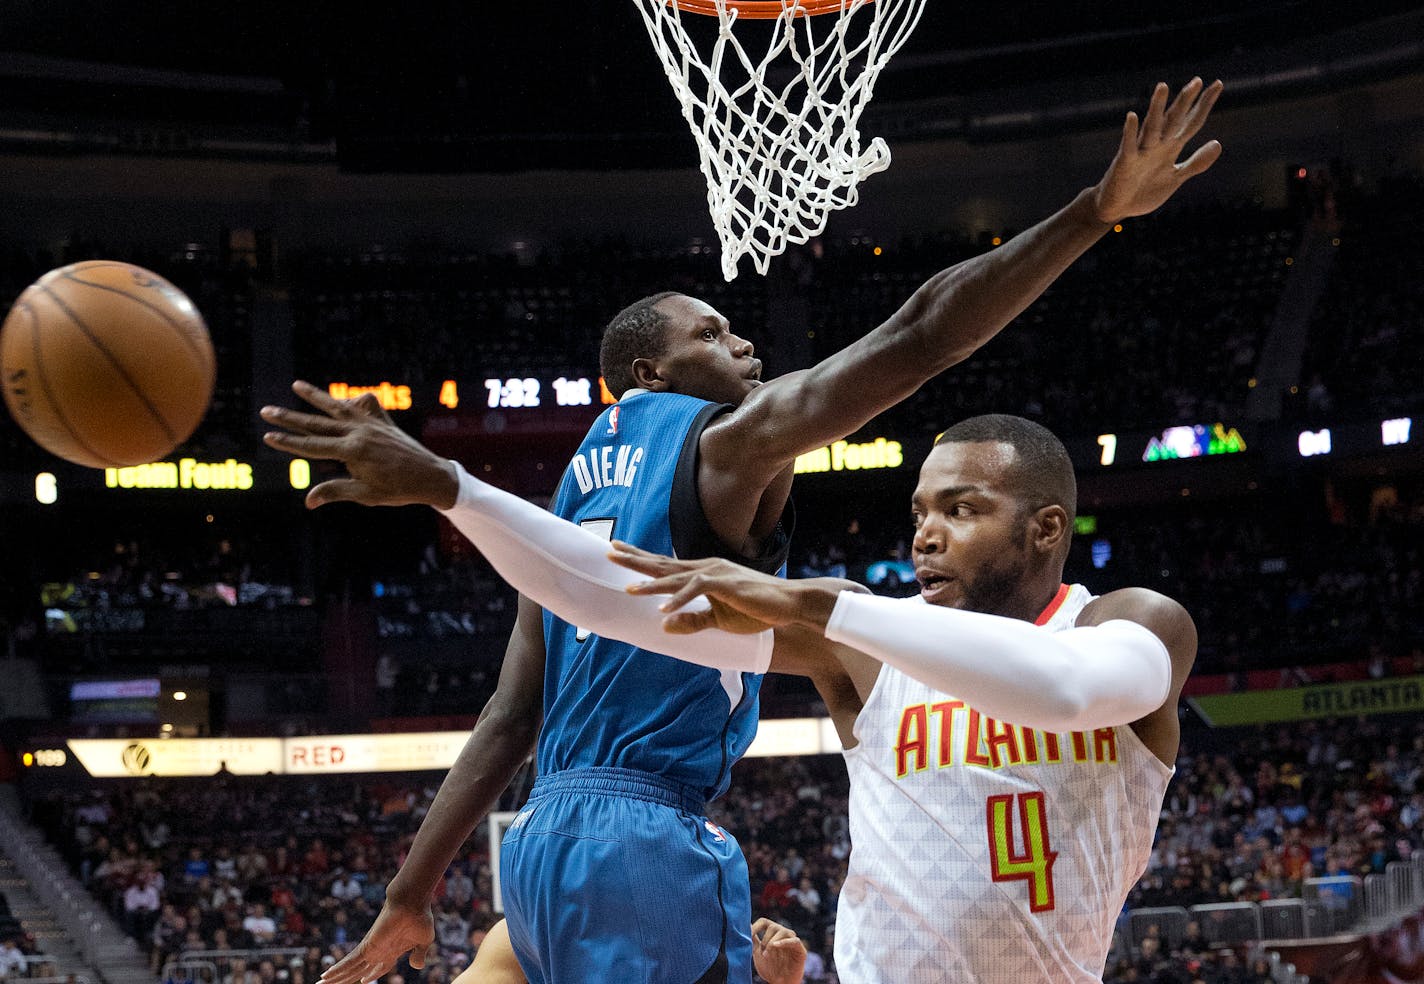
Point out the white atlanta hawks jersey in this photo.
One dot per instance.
(983, 852)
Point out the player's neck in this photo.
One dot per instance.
(1035, 599)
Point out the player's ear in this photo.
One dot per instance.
(646, 375)
(1051, 528)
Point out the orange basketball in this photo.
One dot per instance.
(106, 364)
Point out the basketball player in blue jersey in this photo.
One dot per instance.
(695, 459)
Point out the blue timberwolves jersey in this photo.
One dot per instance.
(608, 703)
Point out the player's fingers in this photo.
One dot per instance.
(375, 971)
(369, 405)
(346, 971)
(779, 933)
(1204, 158)
(417, 956)
(687, 623)
(1152, 122)
(760, 926)
(644, 563)
(319, 398)
(659, 585)
(1182, 103)
(693, 587)
(304, 423)
(306, 445)
(338, 490)
(1196, 119)
(1129, 135)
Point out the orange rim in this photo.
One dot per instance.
(763, 9)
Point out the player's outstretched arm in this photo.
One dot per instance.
(500, 743)
(557, 564)
(961, 308)
(1125, 660)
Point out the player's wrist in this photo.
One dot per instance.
(816, 600)
(1089, 207)
(401, 895)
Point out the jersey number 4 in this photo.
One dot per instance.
(1019, 851)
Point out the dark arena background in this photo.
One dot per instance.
(212, 693)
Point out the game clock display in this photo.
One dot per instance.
(529, 392)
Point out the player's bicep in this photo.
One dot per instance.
(808, 409)
(1160, 615)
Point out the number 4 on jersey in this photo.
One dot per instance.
(1025, 854)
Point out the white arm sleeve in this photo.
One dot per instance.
(566, 569)
(1011, 670)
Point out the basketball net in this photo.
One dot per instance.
(779, 156)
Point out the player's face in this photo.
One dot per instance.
(703, 358)
(972, 545)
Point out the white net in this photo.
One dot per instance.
(777, 128)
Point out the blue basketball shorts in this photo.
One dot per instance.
(615, 875)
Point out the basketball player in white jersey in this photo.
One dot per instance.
(1009, 738)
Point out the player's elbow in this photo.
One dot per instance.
(1066, 707)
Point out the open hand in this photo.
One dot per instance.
(388, 467)
(1145, 172)
(397, 931)
(742, 600)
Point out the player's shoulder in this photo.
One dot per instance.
(1128, 602)
(1164, 616)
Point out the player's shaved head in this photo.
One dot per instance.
(1041, 473)
(639, 331)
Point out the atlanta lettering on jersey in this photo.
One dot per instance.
(927, 730)
(599, 468)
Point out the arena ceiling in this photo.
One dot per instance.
(446, 85)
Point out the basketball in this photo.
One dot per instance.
(106, 364)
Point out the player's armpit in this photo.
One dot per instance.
(1163, 617)
(1159, 729)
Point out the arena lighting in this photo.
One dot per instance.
(846, 456)
(299, 473)
(169, 755)
(1395, 431)
(46, 488)
(180, 695)
(1194, 441)
(186, 473)
(1312, 443)
(1108, 442)
(391, 397)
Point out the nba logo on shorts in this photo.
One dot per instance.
(613, 420)
(715, 831)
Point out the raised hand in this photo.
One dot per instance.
(388, 467)
(397, 931)
(1145, 172)
(777, 953)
